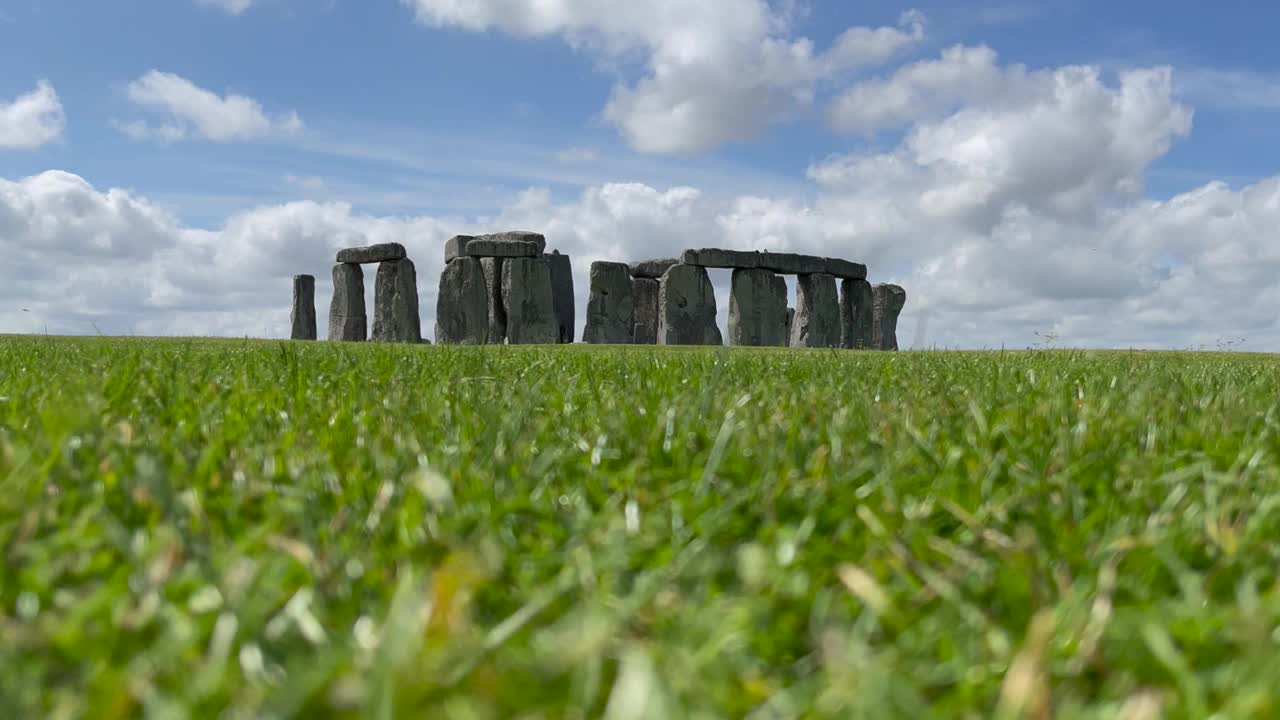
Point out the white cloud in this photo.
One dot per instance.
(32, 119)
(193, 110)
(717, 71)
(1014, 207)
(234, 7)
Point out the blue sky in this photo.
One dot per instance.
(414, 119)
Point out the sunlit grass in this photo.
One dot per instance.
(266, 529)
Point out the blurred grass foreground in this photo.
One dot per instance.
(244, 529)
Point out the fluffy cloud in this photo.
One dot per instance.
(716, 70)
(193, 110)
(32, 119)
(234, 7)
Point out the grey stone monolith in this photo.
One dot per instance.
(462, 306)
(791, 316)
(492, 267)
(720, 258)
(372, 253)
(347, 319)
(792, 263)
(395, 303)
(529, 301)
(817, 320)
(845, 270)
(687, 307)
(887, 303)
(644, 299)
(488, 247)
(562, 295)
(652, 269)
(518, 236)
(610, 313)
(302, 318)
(757, 309)
(856, 315)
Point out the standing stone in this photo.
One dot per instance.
(791, 317)
(395, 303)
(610, 313)
(856, 315)
(529, 301)
(302, 318)
(887, 303)
(347, 320)
(644, 299)
(817, 320)
(562, 294)
(687, 307)
(462, 308)
(492, 268)
(757, 309)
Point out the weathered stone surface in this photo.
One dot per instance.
(562, 295)
(855, 315)
(792, 264)
(644, 299)
(844, 269)
(372, 253)
(887, 303)
(757, 309)
(791, 317)
(817, 320)
(492, 268)
(610, 313)
(302, 319)
(518, 236)
(717, 258)
(529, 301)
(687, 308)
(456, 247)
(653, 269)
(347, 319)
(462, 305)
(395, 303)
(487, 247)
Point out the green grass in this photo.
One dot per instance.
(245, 529)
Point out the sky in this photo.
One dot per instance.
(1080, 174)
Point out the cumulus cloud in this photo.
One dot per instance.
(194, 111)
(716, 71)
(234, 7)
(1013, 204)
(32, 119)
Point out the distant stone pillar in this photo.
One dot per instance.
(395, 303)
(462, 310)
(817, 320)
(644, 299)
(610, 312)
(492, 267)
(529, 301)
(302, 319)
(888, 301)
(757, 309)
(856, 300)
(562, 295)
(791, 317)
(687, 307)
(347, 320)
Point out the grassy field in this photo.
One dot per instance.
(245, 529)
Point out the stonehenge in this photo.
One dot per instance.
(610, 313)
(302, 319)
(505, 288)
